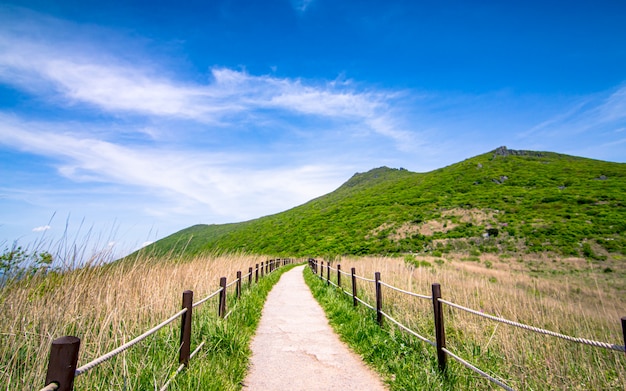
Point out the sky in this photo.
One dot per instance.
(125, 121)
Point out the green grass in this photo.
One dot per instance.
(550, 202)
(223, 363)
(220, 365)
(404, 362)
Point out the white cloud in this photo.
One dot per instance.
(591, 114)
(68, 69)
(41, 228)
(223, 184)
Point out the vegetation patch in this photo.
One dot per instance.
(106, 306)
(520, 203)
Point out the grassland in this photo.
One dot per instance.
(536, 202)
(579, 304)
(108, 305)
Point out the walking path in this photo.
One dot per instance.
(296, 349)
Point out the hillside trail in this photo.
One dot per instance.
(296, 349)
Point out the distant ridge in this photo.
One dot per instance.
(505, 200)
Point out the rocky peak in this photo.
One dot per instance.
(504, 152)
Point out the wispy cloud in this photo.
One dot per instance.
(301, 5)
(41, 228)
(599, 117)
(219, 182)
(41, 65)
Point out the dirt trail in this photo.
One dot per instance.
(296, 349)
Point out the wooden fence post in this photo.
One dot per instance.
(354, 300)
(238, 286)
(379, 299)
(322, 270)
(250, 276)
(256, 273)
(221, 310)
(440, 332)
(262, 269)
(624, 329)
(62, 362)
(328, 273)
(339, 275)
(185, 329)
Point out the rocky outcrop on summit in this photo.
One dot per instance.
(504, 151)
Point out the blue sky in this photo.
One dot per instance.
(123, 122)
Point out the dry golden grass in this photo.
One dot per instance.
(105, 306)
(576, 304)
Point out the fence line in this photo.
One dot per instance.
(439, 344)
(537, 329)
(479, 371)
(364, 279)
(136, 340)
(207, 298)
(64, 351)
(408, 330)
(406, 292)
(181, 367)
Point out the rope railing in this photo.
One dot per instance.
(408, 330)
(209, 297)
(231, 284)
(479, 371)
(371, 307)
(406, 292)
(64, 350)
(437, 301)
(115, 352)
(363, 278)
(344, 273)
(538, 330)
(180, 368)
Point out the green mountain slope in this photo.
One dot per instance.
(527, 201)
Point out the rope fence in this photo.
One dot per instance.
(209, 297)
(317, 267)
(538, 330)
(115, 352)
(64, 351)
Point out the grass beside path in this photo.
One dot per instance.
(107, 306)
(223, 362)
(404, 362)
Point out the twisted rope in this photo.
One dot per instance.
(232, 283)
(113, 353)
(50, 387)
(345, 274)
(364, 279)
(479, 371)
(180, 368)
(207, 298)
(408, 330)
(406, 292)
(364, 303)
(589, 342)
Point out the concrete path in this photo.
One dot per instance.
(296, 349)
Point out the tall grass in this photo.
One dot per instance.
(576, 305)
(107, 306)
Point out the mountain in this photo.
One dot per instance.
(502, 201)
